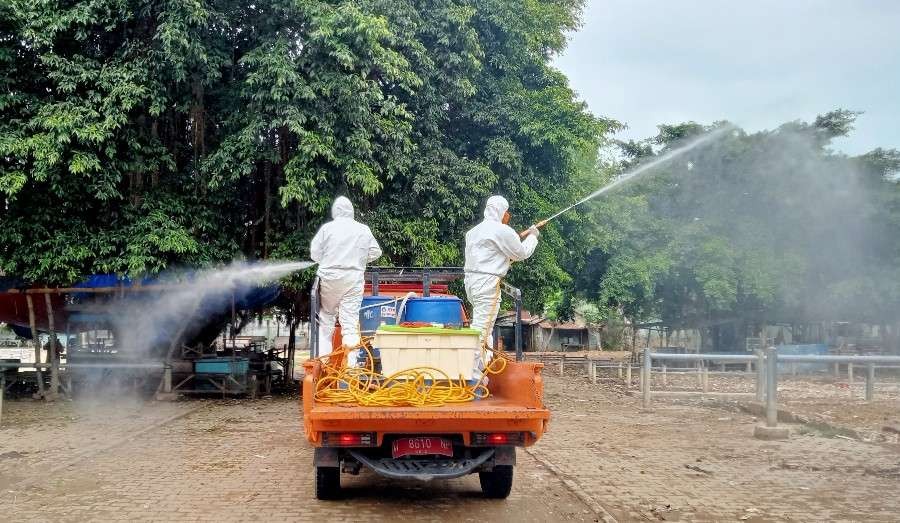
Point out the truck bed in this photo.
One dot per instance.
(515, 405)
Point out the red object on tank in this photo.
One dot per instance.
(402, 289)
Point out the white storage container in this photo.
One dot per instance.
(453, 354)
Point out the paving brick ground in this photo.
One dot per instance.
(235, 461)
(225, 461)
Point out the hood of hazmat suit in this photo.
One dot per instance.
(491, 245)
(342, 248)
(343, 244)
(342, 208)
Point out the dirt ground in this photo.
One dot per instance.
(690, 460)
(822, 399)
(603, 459)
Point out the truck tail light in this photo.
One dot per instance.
(497, 439)
(349, 439)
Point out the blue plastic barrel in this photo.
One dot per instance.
(434, 309)
(376, 310)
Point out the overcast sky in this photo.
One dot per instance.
(757, 63)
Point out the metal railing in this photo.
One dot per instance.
(516, 295)
(621, 370)
(702, 370)
(766, 363)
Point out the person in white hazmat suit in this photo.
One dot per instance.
(342, 248)
(490, 247)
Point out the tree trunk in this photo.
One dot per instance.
(154, 132)
(267, 205)
(291, 346)
(549, 339)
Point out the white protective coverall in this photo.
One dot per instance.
(490, 247)
(342, 248)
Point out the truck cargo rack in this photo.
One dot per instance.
(376, 276)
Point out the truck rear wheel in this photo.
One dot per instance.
(328, 483)
(497, 483)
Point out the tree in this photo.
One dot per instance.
(770, 226)
(140, 134)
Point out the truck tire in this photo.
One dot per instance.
(497, 483)
(328, 483)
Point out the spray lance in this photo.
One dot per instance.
(634, 173)
(545, 221)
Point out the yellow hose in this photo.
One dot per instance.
(415, 387)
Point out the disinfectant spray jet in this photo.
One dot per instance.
(637, 171)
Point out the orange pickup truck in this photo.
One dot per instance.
(426, 443)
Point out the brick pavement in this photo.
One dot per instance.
(237, 461)
(691, 463)
(230, 461)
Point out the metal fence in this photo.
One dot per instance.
(766, 365)
(593, 367)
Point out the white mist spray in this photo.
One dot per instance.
(144, 323)
(645, 168)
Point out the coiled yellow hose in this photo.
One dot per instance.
(415, 387)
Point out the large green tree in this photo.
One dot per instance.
(751, 228)
(139, 134)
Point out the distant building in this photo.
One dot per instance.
(540, 334)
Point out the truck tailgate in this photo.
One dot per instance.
(515, 405)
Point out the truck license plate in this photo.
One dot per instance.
(421, 447)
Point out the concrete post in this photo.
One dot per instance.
(771, 387)
(2, 391)
(645, 385)
(760, 375)
(705, 380)
(837, 370)
(665, 381)
(620, 370)
(870, 382)
(850, 375)
(700, 373)
(641, 379)
(562, 362)
(587, 366)
(167, 379)
(771, 430)
(628, 377)
(593, 372)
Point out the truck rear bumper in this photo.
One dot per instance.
(423, 469)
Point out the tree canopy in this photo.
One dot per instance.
(140, 134)
(137, 135)
(759, 227)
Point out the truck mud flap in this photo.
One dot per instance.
(326, 457)
(423, 469)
